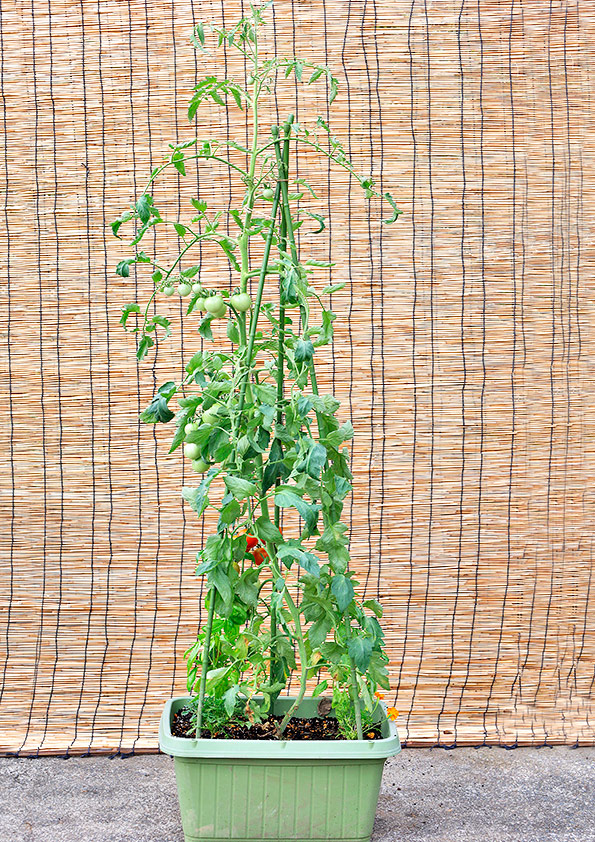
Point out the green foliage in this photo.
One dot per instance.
(215, 717)
(268, 448)
(344, 710)
(158, 410)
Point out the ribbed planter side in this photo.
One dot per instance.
(252, 790)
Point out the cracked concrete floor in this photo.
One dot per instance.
(428, 795)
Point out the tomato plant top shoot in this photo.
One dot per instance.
(251, 419)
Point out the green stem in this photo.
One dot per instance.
(303, 662)
(205, 662)
(355, 699)
(245, 237)
(274, 666)
(257, 304)
(283, 169)
(154, 293)
(283, 166)
(295, 616)
(354, 688)
(187, 158)
(286, 216)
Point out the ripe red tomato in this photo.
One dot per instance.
(251, 542)
(255, 549)
(259, 555)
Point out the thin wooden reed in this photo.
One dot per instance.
(463, 350)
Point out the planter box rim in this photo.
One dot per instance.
(274, 749)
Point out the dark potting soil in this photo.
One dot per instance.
(317, 728)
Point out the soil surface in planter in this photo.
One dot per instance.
(317, 728)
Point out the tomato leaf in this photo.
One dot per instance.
(342, 590)
(143, 208)
(287, 498)
(179, 435)
(333, 542)
(289, 552)
(194, 362)
(240, 488)
(127, 310)
(334, 90)
(178, 161)
(396, 212)
(315, 460)
(230, 698)
(247, 587)
(230, 512)
(332, 652)
(337, 437)
(374, 606)
(304, 351)
(199, 205)
(115, 225)
(304, 405)
(319, 219)
(163, 322)
(274, 468)
(190, 272)
(123, 267)
(318, 631)
(199, 33)
(333, 288)
(360, 650)
(320, 688)
(197, 497)
(158, 410)
(304, 183)
(204, 327)
(267, 531)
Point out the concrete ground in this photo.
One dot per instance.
(428, 795)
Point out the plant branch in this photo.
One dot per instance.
(257, 305)
(205, 663)
(353, 688)
(286, 212)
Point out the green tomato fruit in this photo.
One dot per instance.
(197, 288)
(210, 416)
(191, 450)
(216, 306)
(201, 304)
(169, 291)
(200, 465)
(268, 193)
(184, 289)
(242, 302)
(190, 428)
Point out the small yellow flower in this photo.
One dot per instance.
(392, 713)
(379, 695)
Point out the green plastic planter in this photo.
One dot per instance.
(252, 790)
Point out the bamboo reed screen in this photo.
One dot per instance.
(463, 355)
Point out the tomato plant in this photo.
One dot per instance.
(252, 419)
